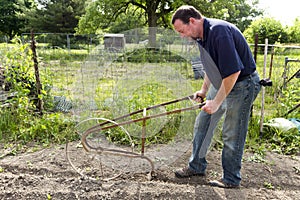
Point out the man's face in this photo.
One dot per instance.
(186, 30)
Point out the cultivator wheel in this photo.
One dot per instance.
(97, 158)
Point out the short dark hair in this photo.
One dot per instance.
(184, 13)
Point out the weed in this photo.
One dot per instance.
(268, 185)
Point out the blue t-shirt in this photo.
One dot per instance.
(227, 47)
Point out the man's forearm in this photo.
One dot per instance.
(226, 87)
(205, 85)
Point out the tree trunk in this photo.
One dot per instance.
(152, 22)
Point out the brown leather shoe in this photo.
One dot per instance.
(187, 172)
(222, 184)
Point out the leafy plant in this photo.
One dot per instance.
(268, 185)
(18, 118)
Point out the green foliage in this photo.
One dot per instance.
(289, 99)
(91, 22)
(243, 13)
(10, 19)
(285, 142)
(20, 78)
(266, 28)
(164, 136)
(19, 124)
(55, 16)
(268, 185)
(110, 15)
(238, 12)
(278, 101)
(294, 32)
(18, 118)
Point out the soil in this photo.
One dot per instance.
(45, 173)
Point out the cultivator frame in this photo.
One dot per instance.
(108, 124)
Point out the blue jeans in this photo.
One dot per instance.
(236, 109)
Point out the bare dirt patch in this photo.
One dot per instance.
(46, 174)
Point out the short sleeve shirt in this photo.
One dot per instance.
(227, 47)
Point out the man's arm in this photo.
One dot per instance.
(203, 91)
(226, 86)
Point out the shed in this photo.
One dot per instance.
(116, 41)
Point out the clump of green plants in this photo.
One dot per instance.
(21, 125)
(20, 119)
(279, 102)
(272, 139)
(151, 55)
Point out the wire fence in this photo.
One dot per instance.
(91, 69)
(107, 76)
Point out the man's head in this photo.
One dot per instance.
(184, 13)
(187, 21)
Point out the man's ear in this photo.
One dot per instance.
(192, 20)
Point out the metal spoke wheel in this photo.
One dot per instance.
(97, 158)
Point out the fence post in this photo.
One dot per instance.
(263, 89)
(37, 75)
(255, 47)
(68, 43)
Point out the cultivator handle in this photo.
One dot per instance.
(102, 127)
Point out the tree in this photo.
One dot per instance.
(55, 16)
(266, 28)
(294, 32)
(126, 21)
(100, 14)
(239, 12)
(10, 21)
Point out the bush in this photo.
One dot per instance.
(266, 28)
(19, 120)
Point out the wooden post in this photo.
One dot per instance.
(144, 131)
(255, 47)
(255, 57)
(37, 75)
(263, 89)
(271, 63)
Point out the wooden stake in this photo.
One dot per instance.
(263, 89)
(144, 130)
(37, 75)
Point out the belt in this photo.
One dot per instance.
(245, 77)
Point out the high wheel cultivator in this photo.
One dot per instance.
(98, 159)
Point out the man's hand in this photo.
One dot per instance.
(199, 96)
(227, 84)
(210, 107)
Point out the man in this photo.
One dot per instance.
(230, 86)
